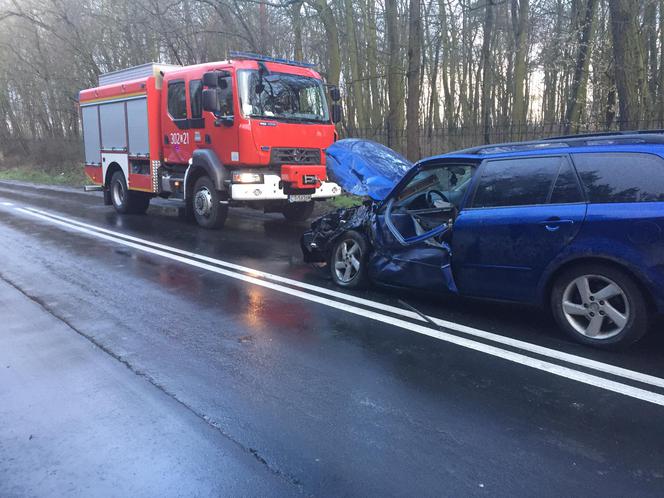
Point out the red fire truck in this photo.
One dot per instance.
(248, 131)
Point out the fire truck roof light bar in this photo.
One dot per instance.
(265, 58)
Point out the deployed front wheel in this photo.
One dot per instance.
(599, 305)
(298, 211)
(124, 200)
(208, 210)
(348, 260)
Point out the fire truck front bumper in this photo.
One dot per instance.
(270, 187)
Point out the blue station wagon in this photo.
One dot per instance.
(574, 223)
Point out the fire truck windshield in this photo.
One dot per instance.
(282, 96)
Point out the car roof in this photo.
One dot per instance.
(636, 141)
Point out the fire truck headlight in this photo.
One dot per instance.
(239, 177)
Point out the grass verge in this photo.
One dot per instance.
(344, 201)
(62, 176)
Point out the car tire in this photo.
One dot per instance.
(298, 211)
(208, 210)
(586, 299)
(348, 260)
(124, 200)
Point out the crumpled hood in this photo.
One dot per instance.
(365, 168)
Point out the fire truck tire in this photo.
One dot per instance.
(298, 211)
(124, 200)
(208, 210)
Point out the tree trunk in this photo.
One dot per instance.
(628, 55)
(487, 76)
(395, 114)
(413, 77)
(520, 26)
(332, 39)
(580, 80)
(372, 63)
(660, 106)
(296, 17)
(355, 73)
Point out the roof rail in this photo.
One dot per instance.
(266, 58)
(635, 137)
(609, 133)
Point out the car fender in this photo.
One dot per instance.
(608, 250)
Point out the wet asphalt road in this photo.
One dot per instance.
(330, 402)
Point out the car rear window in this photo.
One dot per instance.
(517, 182)
(621, 177)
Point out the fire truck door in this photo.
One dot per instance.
(224, 126)
(176, 125)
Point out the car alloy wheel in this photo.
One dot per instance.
(595, 306)
(347, 260)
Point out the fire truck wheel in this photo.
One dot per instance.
(206, 204)
(298, 211)
(124, 200)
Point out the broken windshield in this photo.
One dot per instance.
(282, 96)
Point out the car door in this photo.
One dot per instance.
(412, 229)
(522, 213)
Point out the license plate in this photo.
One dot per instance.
(299, 198)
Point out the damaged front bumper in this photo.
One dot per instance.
(317, 242)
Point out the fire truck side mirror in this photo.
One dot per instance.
(211, 100)
(211, 79)
(335, 94)
(336, 113)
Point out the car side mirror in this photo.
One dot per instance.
(336, 113)
(335, 94)
(211, 100)
(211, 79)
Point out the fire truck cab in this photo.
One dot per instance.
(248, 131)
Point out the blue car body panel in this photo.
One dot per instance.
(627, 234)
(507, 253)
(502, 252)
(365, 168)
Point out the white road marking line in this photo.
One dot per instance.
(457, 327)
(6, 203)
(518, 358)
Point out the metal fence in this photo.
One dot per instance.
(51, 151)
(446, 139)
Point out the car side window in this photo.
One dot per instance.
(621, 177)
(177, 100)
(516, 182)
(566, 189)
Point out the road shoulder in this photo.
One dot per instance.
(75, 421)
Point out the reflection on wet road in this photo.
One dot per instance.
(335, 392)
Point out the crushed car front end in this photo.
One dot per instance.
(364, 169)
(316, 243)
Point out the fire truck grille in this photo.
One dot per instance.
(294, 156)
